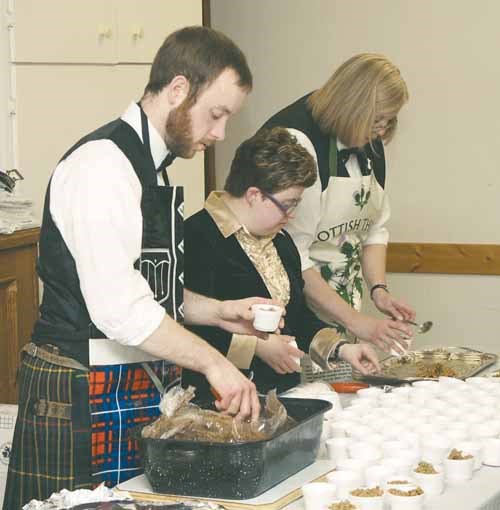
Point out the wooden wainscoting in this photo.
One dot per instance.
(18, 303)
(480, 259)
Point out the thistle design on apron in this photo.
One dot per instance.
(350, 207)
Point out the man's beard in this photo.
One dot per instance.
(178, 130)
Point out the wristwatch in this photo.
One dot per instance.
(378, 286)
(335, 353)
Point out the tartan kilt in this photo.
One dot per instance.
(92, 444)
(48, 453)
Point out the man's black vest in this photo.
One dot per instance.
(65, 320)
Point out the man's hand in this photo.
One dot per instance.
(386, 334)
(392, 307)
(236, 316)
(238, 395)
(361, 356)
(277, 352)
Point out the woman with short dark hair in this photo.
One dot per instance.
(236, 247)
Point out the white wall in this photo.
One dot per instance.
(57, 103)
(6, 157)
(443, 169)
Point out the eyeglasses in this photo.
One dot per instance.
(383, 123)
(286, 209)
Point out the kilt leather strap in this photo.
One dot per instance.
(41, 352)
(53, 409)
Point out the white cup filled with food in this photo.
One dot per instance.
(266, 317)
(458, 466)
(430, 478)
(407, 498)
(367, 498)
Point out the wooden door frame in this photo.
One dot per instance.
(210, 152)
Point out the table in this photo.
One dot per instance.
(480, 493)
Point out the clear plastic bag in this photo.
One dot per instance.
(185, 421)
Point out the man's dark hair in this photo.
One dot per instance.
(272, 160)
(200, 54)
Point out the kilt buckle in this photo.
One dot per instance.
(50, 409)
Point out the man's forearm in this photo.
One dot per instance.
(173, 342)
(326, 300)
(200, 309)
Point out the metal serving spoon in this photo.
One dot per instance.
(421, 328)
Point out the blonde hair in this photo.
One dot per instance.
(365, 87)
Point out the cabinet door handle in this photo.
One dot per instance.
(137, 32)
(104, 31)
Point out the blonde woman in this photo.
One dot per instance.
(339, 226)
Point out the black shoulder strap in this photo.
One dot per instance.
(129, 142)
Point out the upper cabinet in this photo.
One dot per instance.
(142, 25)
(96, 31)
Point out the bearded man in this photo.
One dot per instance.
(111, 264)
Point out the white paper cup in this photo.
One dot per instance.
(375, 439)
(343, 500)
(406, 502)
(337, 448)
(367, 502)
(457, 471)
(399, 477)
(369, 418)
(344, 481)
(377, 475)
(399, 465)
(402, 391)
(456, 435)
(412, 442)
(484, 430)
(359, 431)
(478, 381)
(371, 392)
(435, 448)
(364, 451)
(266, 317)
(340, 428)
(318, 495)
(474, 448)
(390, 400)
(450, 381)
(391, 448)
(354, 465)
(431, 386)
(394, 431)
(432, 484)
(491, 451)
